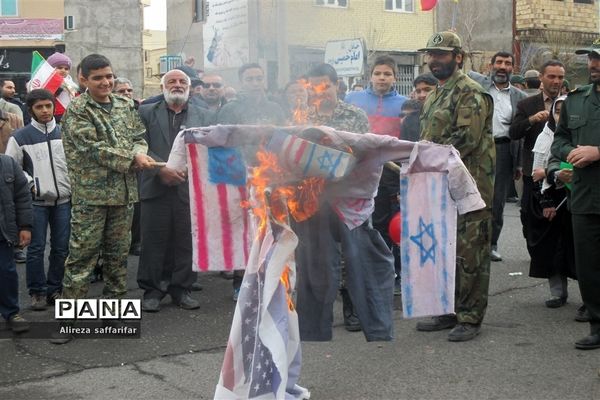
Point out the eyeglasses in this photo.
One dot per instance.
(216, 85)
(125, 91)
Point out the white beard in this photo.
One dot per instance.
(176, 98)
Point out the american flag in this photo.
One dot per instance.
(263, 358)
(221, 227)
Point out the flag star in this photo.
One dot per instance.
(256, 387)
(247, 321)
(255, 310)
(262, 353)
(271, 370)
(246, 285)
(267, 363)
(249, 356)
(247, 338)
(268, 383)
(264, 375)
(248, 304)
(258, 367)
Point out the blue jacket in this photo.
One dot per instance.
(383, 111)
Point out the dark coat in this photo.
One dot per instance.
(155, 117)
(16, 213)
(522, 129)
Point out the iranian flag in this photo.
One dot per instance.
(43, 75)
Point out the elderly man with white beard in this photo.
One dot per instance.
(165, 209)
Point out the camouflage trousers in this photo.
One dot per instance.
(473, 245)
(95, 230)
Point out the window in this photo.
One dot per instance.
(584, 1)
(399, 5)
(332, 3)
(8, 8)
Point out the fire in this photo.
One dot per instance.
(277, 199)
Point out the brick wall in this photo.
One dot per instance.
(557, 15)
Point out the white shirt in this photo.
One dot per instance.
(502, 111)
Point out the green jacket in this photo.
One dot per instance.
(460, 113)
(100, 147)
(578, 125)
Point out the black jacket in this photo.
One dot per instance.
(521, 128)
(16, 213)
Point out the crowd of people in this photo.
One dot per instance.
(94, 177)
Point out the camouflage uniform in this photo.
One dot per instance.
(100, 147)
(345, 117)
(460, 113)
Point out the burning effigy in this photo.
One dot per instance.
(266, 190)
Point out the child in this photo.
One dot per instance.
(15, 230)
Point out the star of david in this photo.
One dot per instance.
(426, 252)
(325, 161)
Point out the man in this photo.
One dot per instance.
(424, 84)
(368, 262)
(518, 81)
(250, 107)
(211, 91)
(532, 114)
(124, 87)
(463, 118)
(8, 89)
(165, 207)
(576, 141)
(103, 138)
(383, 105)
(506, 97)
(532, 82)
(38, 149)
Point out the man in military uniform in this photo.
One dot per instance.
(577, 141)
(103, 138)
(459, 112)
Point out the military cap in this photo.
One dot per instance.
(445, 41)
(517, 79)
(594, 48)
(532, 74)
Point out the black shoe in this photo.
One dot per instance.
(589, 342)
(61, 338)
(51, 298)
(463, 332)
(135, 249)
(151, 305)
(512, 199)
(17, 324)
(20, 256)
(196, 287)
(495, 256)
(582, 315)
(97, 275)
(351, 321)
(556, 302)
(186, 302)
(439, 323)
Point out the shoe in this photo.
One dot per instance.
(38, 302)
(495, 256)
(236, 294)
(164, 286)
(151, 305)
(463, 332)
(582, 315)
(17, 324)
(226, 274)
(556, 302)
(51, 298)
(438, 323)
(61, 338)
(97, 275)
(397, 289)
(20, 256)
(187, 302)
(351, 321)
(196, 287)
(512, 200)
(589, 342)
(135, 249)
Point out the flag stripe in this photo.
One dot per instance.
(246, 234)
(300, 152)
(201, 242)
(288, 148)
(225, 225)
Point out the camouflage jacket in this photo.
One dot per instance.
(460, 113)
(100, 147)
(346, 117)
(245, 110)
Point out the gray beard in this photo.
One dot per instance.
(497, 79)
(176, 99)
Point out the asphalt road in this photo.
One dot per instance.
(525, 351)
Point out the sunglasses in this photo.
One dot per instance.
(216, 85)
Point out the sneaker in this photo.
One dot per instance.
(463, 332)
(151, 305)
(589, 342)
(51, 298)
(187, 302)
(196, 287)
(397, 288)
(62, 336)
(495, 256)
(236, 294)
(38, 302)
(351, 321)
(20, 256)
(17, 324)
(438, 323)
(582, 315)
(556, 302)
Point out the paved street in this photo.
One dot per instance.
(525, 351)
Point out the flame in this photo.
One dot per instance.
(277, 199)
